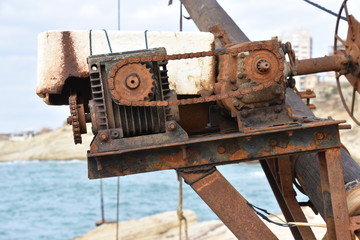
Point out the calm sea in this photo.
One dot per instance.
(55, 200)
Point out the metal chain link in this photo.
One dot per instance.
(246, 47)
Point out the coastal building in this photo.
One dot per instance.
(21, 136)
(301, 42)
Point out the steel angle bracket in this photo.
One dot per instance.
(216, 149)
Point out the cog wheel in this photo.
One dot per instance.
(261, 66)
(77, 118)
(132, 82)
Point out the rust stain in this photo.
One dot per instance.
(240, 154)
(71, 67)
(172, 158)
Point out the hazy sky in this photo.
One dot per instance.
(22, 20)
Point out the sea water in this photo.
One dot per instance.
(55, 199)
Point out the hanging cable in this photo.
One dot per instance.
(102, 202)
(118, 15)
(146, 39)
(180, 212)
(117, 208)
(284, 224)
(181, 17)
(324, 9)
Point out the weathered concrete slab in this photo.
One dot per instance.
(62, 54)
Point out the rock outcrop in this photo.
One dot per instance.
(166, 226)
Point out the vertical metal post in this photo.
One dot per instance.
(288, 192)
(227, 204)
(269, 172)
(334, 199)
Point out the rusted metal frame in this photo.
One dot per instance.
(323, 64)
(228, 204)
(280, 178)
(268, 168)
(214, 150)
(285, 183)
(101, 148)
(334, 199)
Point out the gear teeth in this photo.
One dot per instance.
(125, 93)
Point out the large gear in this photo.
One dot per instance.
(132, 82)
(77, 118)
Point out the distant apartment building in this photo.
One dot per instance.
(301, 42)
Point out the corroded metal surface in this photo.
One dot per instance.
(335, 62)
(133, 82)
(212, 149)
(77, 118)
(227, 203)
(279, 173)
(333, 193)
(232, 52)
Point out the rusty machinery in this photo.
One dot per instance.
(142, 125)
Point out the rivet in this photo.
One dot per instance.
(242, 55)
(233, 80)
(319, 136)
(273, 142)
(104, 137)
(171, 126)
(221, 150)
(236, 103)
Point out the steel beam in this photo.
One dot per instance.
(213, 149)
(227, 204)
(333, 192)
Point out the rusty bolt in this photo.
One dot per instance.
(278, 108)
(244, 113)
(104, 137)
(319, 136)
(241, 75)
(240, 96)
(273, 142)
(171, 126)
(221, 150)
(242, 55)
(277, 89)
(233, 80)
(236, 103)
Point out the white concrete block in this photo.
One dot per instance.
(62, 54)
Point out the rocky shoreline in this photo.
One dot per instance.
(53, 145)
(166, 226)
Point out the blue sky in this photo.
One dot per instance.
(22, 20)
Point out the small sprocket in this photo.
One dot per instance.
(77, 118)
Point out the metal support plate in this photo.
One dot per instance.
(216, 149)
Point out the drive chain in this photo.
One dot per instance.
(233, 51)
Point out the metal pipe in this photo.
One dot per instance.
(322, 64)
